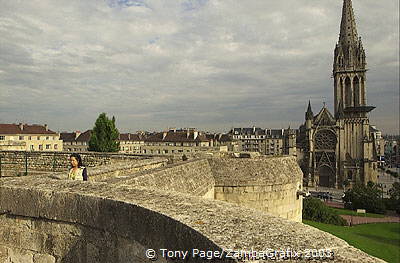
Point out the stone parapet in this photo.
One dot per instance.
(71, 221)
(258, 171)
(192, 177)
(266, 184)
(59, 161)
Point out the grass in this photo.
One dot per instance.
(381, 240)
(341, 211)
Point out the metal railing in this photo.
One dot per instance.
(25, 164)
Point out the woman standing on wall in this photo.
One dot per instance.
(77, 171)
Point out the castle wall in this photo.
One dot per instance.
(58, 221)
(13, 162)
(191, 177)
(266, 184)
(44, 220)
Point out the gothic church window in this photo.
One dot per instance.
(325, 140)
(348, 93)
(356, 85)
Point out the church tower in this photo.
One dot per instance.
(339, 149)
(349, 66)
(356, 160)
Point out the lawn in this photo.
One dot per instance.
(341, 211)
(380, 240)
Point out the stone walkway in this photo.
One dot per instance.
(357, 220)
(334, 204)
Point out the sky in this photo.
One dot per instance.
(209, 64)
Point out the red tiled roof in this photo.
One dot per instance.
(26, 129)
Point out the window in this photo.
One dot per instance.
(55, 146)
(47, 137)
(30, 137)
(38, 137)
(40, 147)
(48, 146)
(21, 138)
(32, 148)
(2, 138)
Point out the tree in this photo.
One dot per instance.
(104, 136)
(394, 199)
(368, 197)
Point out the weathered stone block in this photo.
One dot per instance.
(43, 258)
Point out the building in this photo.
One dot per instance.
(76, 141)
(379, 145)
(180, 141)
(219, 139)
(131, 143)
(25, 137)
(392, 151)
(265, 141)
(340, 149)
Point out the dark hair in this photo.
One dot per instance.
(78, 158)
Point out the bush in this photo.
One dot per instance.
(368, 197)
(315, 210)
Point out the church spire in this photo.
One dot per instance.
(309, 113)
(348, 28)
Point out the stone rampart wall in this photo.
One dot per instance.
(56, 221)
(44, 220)
(15, 161)
(192, 177)
(266, 184)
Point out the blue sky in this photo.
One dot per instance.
(206, 64)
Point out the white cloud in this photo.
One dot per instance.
(211, 64)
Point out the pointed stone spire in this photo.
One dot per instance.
(348, 28)
(309, 113)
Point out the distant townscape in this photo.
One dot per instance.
(102, 195)
(333, 150)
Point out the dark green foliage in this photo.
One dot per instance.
(315, 210)
(368, 197)
(104, 136)
(393, 202)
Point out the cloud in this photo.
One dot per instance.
(209, 64)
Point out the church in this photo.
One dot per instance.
(338, 149)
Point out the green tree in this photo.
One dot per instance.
(104, 136)
(368, 197)
(394, 199)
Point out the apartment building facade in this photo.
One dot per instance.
(29, 137)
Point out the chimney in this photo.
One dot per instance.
(164, 135)
(46, 127)
(195, 134)
(187, 133)
(21, 126)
